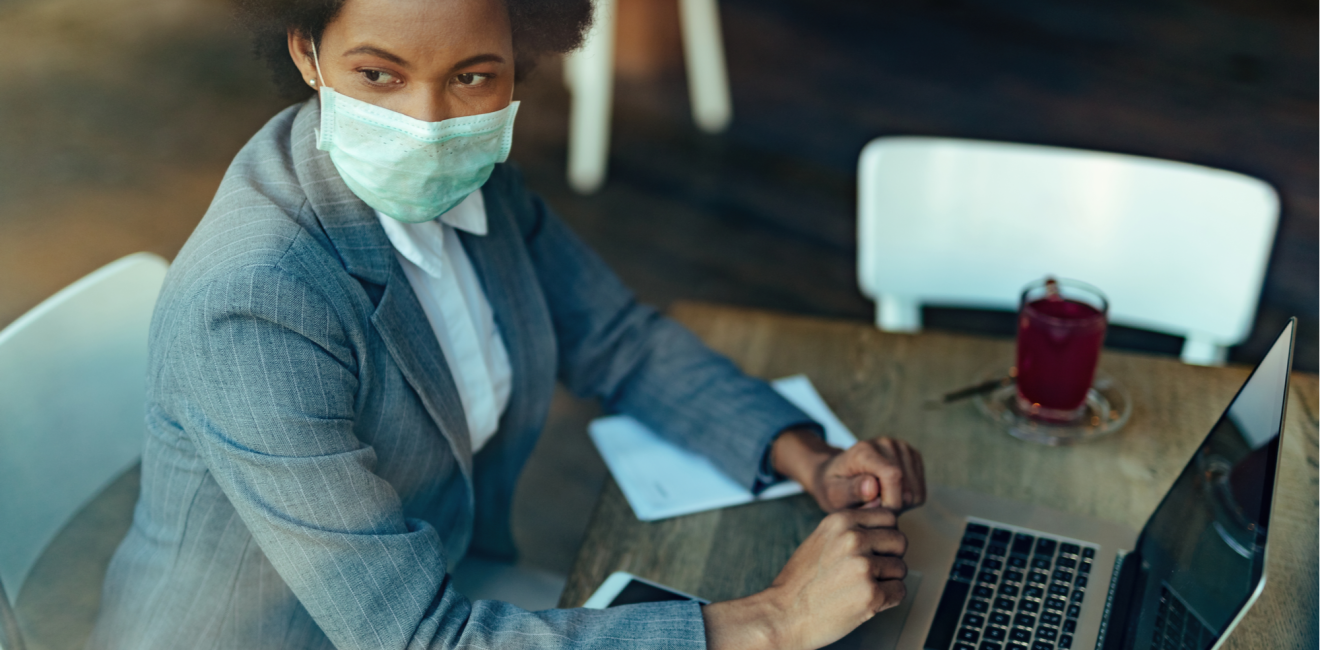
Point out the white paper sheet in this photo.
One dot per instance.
(661, 480)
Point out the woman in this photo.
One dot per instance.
(354, 353)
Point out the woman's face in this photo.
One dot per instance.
(429, 59)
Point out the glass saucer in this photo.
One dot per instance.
(1106, 410)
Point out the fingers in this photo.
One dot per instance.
(887, 469)
(914, 475)
(888, 567)
(888, 593)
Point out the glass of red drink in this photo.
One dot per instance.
(1061, 328)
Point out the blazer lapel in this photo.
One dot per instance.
(519, 308)
(356, 235)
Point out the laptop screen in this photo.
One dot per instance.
(1202, 551)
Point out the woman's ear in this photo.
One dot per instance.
(300, 49)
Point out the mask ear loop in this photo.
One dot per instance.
(320, 78)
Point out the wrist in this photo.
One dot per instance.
(751, 623)
(801, 454)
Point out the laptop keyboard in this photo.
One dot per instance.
(1178, 629)
(1011, 590)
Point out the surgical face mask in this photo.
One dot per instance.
(410, 170)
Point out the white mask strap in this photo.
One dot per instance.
(320, 78)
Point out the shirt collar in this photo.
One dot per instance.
(423, 243)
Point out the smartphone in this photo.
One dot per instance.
(623, 588)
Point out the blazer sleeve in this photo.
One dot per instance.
(268, 380)
(643, 364)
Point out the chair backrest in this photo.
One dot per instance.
(1177, 248)
(72, 403)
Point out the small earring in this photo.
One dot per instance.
(311, 82)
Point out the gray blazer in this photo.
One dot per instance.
(307, 476)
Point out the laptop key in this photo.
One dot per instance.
(1062, 575)
(1038, 578)
(982, 591)
(992, 565)
(1012, 576)
(964, 646)
(969, 635)
(1084, 568)
(1041, 645)
(1070, 626)
(973, 620)
(1008, 590)
(1022, 544)
(987, 577)
(1047, 633)
(1019, 562)
(1040, 562)
(1001, 536)
(1077, 595)
(1081, 582)
(1055, 604)
(994, 633)
(1004, 604)
(1046, 547)
(1066, 562)
(971, 555)
(978, 529)
(1065, 642)
(1017, 646)
(987, 645)
(1025, 620)
(1074, 611)
(978, 606)
(965, 571)
(973, 542)
(1088, 552)
(1058, 589)
(1070, 549)
(1050, 618)
(1029, 606)
(1019, 634)
(999, 618)
(1033, 592)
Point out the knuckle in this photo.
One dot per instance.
(900, 542)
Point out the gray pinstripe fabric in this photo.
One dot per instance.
(307, 477)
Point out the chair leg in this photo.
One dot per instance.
(897, 314)
(708, 76)
(589, 72)
(1200, 350)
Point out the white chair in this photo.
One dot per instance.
(589, 74)
(1178, 248)
(72, 405)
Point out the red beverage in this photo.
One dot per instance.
(1061, 327)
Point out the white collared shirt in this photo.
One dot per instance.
(447, 286)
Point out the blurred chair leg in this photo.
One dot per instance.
(589, 72)
(897, 314)
(708, 76)
(1199, 350)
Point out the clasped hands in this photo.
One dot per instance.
(850, 567)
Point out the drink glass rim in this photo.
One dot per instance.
(1071, 284)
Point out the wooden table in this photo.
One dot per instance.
(876, 383)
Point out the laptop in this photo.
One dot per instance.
(1021, 577)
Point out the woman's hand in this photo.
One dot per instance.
(872, 473)
(849, 569)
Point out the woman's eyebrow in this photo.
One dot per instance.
(376, 51)
(480, 58)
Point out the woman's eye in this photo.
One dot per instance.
(472, 78)
(378, 76)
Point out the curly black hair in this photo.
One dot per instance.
(539, 27)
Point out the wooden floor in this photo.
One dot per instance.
(119, 117)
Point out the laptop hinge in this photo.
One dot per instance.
(1118, 603)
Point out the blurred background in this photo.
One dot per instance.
(119, 117)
